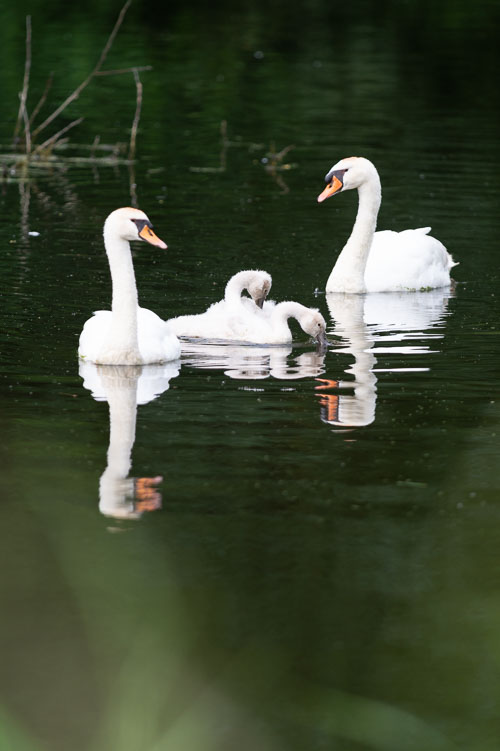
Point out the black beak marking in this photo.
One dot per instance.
(141, 223)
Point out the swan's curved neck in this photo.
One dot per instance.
(348, 274)
(123, 332)
(283, 311)
(288, 309)
(235, 287)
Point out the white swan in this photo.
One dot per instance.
(270, 326)
(127, 334)
(221, 319)
(255, 326)
(381, 261)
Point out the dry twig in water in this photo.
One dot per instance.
(124, 70)
(53, 139)
(76, 93)
(135, 123)
(23, 118)
(42, 99)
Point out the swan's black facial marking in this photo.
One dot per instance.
(141, 223)
(145, 232)
(338, 173)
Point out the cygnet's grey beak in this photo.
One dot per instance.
(260, 300)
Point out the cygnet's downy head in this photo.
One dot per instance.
(132, 224)
(259, 287)
(347, 174)
(315, 325)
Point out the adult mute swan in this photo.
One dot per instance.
(127, 334)
(222, 318)
(381, 261)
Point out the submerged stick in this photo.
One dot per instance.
(76, 93)
(135, 123)
(225, 143)
(132, 185)
(27, 136)
(94, 146)
(24, 93)
(120, 71)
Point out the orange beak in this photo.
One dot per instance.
(147, 234)
(330, 189)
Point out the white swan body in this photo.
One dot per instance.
(223, 318)
(271, 326)
(127, 334)
(381, 261)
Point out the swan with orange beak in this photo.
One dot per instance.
(385, 261)
(127, 334)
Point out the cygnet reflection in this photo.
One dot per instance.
(124, 387)
(254, 362)
(366, 321)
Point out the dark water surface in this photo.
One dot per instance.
(318, 567)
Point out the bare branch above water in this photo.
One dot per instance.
(124, 70)
(76, 93)
(24, 153)
(21, 115)
(135, 123)
(43, 98)
(53, 139)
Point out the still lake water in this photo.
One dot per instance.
(318, 565)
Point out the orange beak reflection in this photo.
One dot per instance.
(330, 189)
(147, 234)
(148, 498)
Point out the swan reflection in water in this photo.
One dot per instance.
(124, 387)
(365, 323)
(244, 361)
